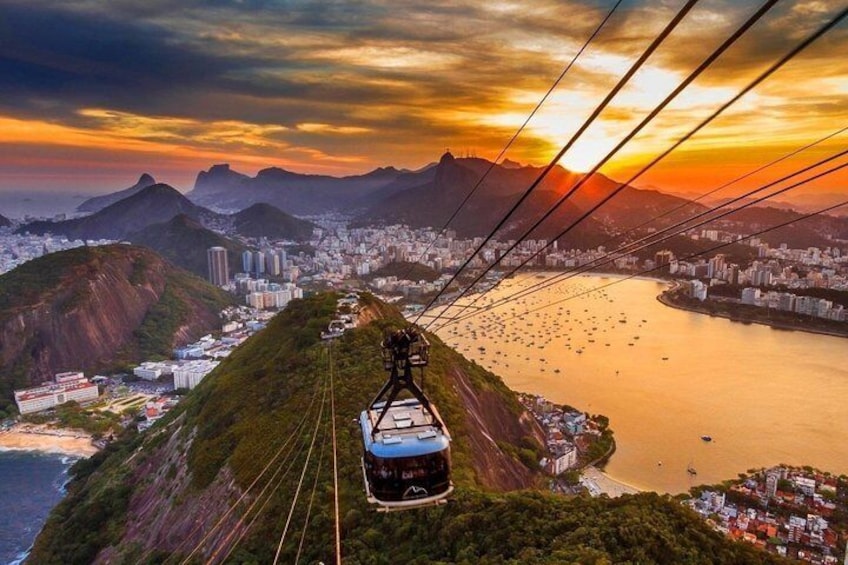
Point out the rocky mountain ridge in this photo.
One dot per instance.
(93, 308)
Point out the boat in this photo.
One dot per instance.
(707, 438)
(691, 470)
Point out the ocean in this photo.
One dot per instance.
(666, 377)
(31, 484)
(17, 204)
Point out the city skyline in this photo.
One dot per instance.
(95, 93)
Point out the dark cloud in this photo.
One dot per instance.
(390, 76)
(80, 59)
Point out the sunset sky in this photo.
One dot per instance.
(93, 93)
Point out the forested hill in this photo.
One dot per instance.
(193, 487)
(96, 308)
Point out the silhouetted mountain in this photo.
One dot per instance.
(4, 222)
(502, 187)
(816, 231)
(455, 178)
(218, 180)
(264, 220)
(222, 188)
(152, 205)
(97, 203)
(184, 242)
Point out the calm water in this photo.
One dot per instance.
(30, 486)
(665, 377)
(20, 203)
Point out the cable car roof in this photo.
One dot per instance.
(406, 431)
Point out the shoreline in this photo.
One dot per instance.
(599, 482)
(663, 299)
(41, 439)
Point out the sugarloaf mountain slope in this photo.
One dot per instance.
(242, 472)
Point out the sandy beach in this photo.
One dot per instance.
(26, 437)
(599, 483)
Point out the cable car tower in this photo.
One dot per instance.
(406, 459)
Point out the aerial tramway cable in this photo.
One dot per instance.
(518, 132)
(250, 487)
(686, 258)
(338, 531)
(604, 103)
(559, 276)
(645, 121)
(676, 230)
(670, 231)
(300, 481)
(763, 76)
(312, 495)
(239, 529)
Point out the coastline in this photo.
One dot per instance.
(27, 437)
(663, 299)
(599, 483)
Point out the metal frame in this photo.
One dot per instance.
(401, 351)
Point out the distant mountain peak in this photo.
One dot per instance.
(274, 172)
(447, 158)
(510, 164)
(97, 203)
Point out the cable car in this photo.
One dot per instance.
(406, 460)
(334, 330)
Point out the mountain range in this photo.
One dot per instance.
(150, 205)
(135, 216)
(425, 198)
(222, 188)
(4, 221)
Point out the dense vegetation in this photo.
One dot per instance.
(86, 278)
(155, 335)
(267, 398)
(72, 415)
(28, 283)
(184, 242)
(264, 220)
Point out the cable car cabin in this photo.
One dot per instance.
(334, 330)
(406, 464)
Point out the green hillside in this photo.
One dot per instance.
(166, 496)
(94, 308)
(184, 242)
